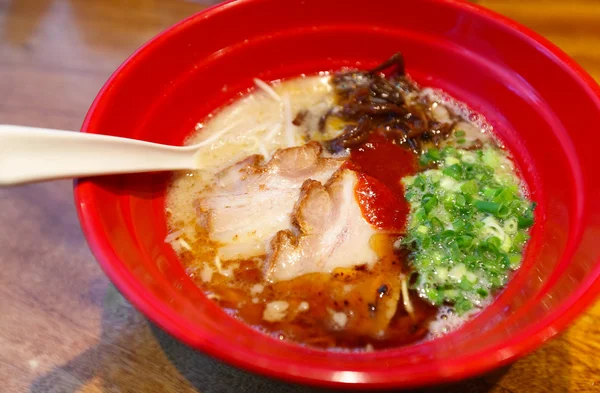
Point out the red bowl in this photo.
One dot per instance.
(541, 103)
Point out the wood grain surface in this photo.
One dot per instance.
(63, 326)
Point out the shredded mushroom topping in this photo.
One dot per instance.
(369, 101)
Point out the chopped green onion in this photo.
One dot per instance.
(494, 242)
(520, 238)
(419, 182)
(489, 192)
(468, 225)
(436, 224)
(488, 207)
(454, 171)
(464, 241)
(503, 195)
(431, 155)
(469, 187)
(514, 260)
(429, 201)
(525, 222)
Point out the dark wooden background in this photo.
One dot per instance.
(63, 326)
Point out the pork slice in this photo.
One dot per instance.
(330, 232)
(252, 200)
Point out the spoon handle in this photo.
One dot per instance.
(30, 154)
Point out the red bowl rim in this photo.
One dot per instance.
(170, 321)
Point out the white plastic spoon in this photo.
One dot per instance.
(29, 154)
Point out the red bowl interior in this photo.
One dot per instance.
(541, 103)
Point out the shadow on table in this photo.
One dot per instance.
(133, 355)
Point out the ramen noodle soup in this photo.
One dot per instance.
(349, 211)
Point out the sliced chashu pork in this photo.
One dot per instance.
(331, 235)
(330, 231)
(252, 200)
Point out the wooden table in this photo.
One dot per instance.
(63, 326)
